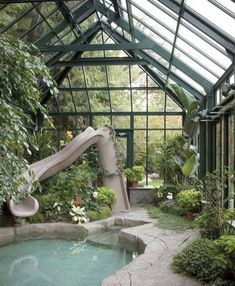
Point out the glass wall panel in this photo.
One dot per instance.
(139, 100)
(121, 122)
(155, 121)
(156, 99)
(99, 121)
(173, 122)
(140, 122)
(99, 100)
(120, 100)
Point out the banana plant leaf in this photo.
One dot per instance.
(190, 166)
(186, 99)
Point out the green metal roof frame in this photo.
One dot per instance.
(138, 45)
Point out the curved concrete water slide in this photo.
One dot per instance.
(52, 165)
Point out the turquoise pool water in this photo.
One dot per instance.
(53, 262)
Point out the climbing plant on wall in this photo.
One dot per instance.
(22, 75)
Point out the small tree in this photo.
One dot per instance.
(20, 76)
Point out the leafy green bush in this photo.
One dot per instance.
(136, 173)
(37, 218)
(103, 213)
(197, 260)
(105, 196)
(190, 200)
(224, 252)
(22, 75)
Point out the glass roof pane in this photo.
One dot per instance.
(11, 12)
(228, 4)
(203, 45)
(86, 24)
(179, 55)
(200, 57)
(146, 24)
(120, 100)
(214, 15)
(155, 11)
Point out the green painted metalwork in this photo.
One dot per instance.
(203, 24)
(95, 47)
(156, 47)
(101, 61)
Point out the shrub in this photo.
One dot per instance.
(224, 252)
(197, 260)
(37, 218)
(190, 200)
(106, 196)
(103, 213)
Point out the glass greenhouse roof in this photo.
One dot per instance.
(149, 43)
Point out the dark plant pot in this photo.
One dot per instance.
(189, 215)
(134, 184)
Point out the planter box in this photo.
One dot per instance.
(141, 195)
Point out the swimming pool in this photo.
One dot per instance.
(57, 262)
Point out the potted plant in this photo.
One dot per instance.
(134, 175)
(190, 201)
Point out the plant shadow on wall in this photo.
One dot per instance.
(22, 78)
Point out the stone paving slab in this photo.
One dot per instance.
(152, 268)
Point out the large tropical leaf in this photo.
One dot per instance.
(186, 99)
(190, 166)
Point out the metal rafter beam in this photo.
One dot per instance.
(119, 38)
(111, 88)
(116, 7)
(224, 76)
(130, 18)
(81, 14)
(59, 79)
(203, 25)
(95, 47)
(101, 61)
(122, 113)
(94, 29)
(157, 48)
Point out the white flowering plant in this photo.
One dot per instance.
(78, 214)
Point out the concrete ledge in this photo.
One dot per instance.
(48, 230)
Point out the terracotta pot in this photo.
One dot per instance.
(190, 215)
(134, 184)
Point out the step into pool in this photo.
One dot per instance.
(54, 262)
